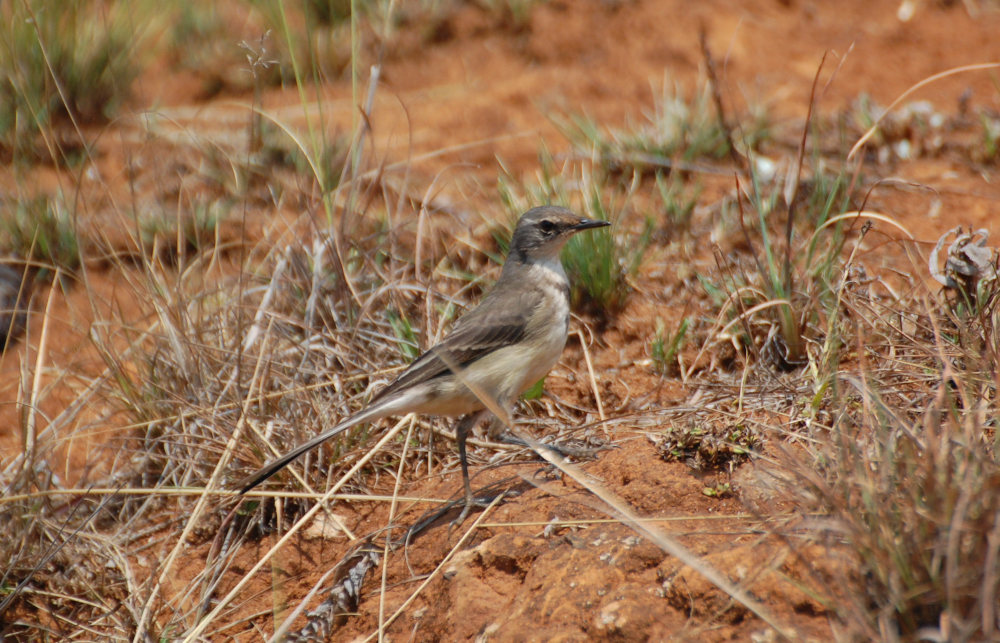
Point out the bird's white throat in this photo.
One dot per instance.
(552, 269)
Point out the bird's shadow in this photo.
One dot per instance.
(510, 487)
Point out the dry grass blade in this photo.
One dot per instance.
(389, 521)
(875, 216)
(590, 373)
(31, 420)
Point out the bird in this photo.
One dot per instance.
(503, 346)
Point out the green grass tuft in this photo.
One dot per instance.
(677, 129)
(41, 231)
(60, 59)
(667, 345)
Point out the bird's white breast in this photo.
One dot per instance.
(509, 371)
(550, 323)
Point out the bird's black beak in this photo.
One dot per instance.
(586, 224)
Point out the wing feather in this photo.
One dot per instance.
(474, 336)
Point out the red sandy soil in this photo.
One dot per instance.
(483, 92)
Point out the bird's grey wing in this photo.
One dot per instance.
(492, 325)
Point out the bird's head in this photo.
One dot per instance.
(542, 232)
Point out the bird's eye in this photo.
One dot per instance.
(547, 226)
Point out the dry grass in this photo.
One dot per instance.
(885, 411)
(902, 458)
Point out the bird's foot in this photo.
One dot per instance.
(470, 502)
(562, 450)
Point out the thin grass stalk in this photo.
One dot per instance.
(912, 88)
(382, 624)
(31, 421)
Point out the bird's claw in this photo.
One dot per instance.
(470, 502)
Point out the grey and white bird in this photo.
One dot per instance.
(503, 346)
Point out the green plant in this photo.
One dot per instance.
(600, 265)
(42, 231)
(198, 39)
(666, 345)
(311, 41)
(325, 165)
(327, 12)
(406, 336)
(515, 14)
(195, 230)
(679, 199)
(677, 131)
(718, 490)
(796, 282)
(709, 446)
(59, 59)
(988, 150)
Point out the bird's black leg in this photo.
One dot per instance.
(465, 426)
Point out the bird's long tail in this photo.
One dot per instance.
(371, 413)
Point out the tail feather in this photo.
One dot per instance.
(271, 468)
